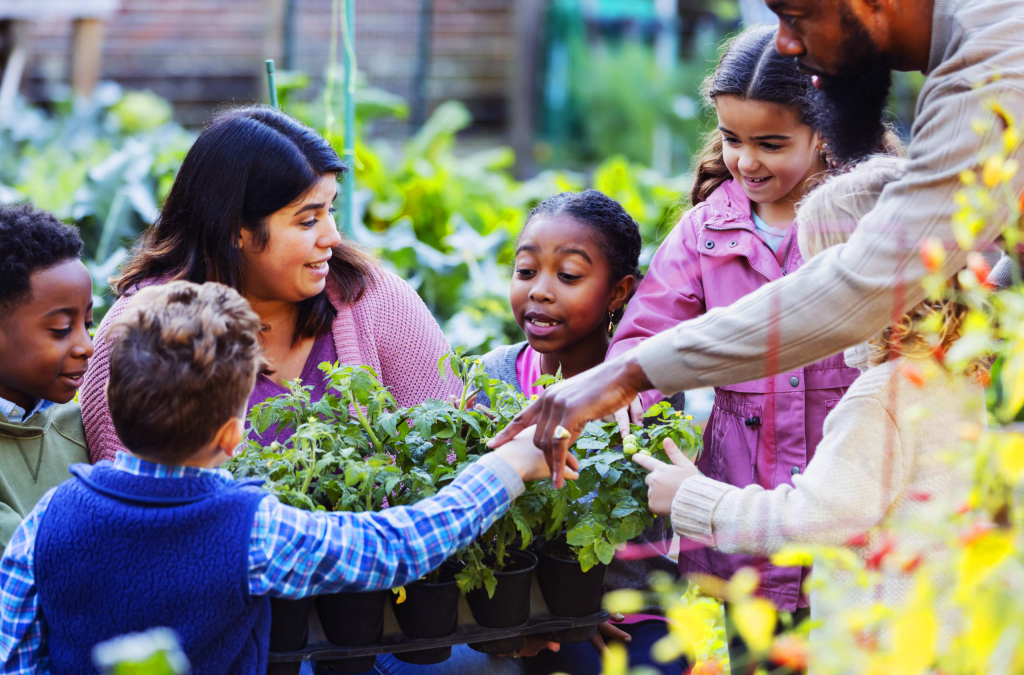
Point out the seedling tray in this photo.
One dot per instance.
(466, 632)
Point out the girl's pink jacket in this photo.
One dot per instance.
(762, 431)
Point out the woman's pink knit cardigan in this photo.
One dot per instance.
(388, 328)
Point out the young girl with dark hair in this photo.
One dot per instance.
(576, 265)
(738, 237)
(252, 208)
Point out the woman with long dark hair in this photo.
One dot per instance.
(252, 207)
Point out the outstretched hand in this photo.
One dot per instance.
(591, 395)
(664, 480)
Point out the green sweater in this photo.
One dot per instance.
(34, 457)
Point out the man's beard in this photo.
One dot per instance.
(848, 108)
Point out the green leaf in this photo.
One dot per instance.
(490, 583)
(581, 535)
(588, 557)
(605, 551)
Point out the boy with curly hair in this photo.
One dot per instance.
(45, 316)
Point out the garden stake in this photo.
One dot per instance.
(270, 83)
(349, 154)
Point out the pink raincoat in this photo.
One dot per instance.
(762, 431)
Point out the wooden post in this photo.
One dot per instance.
(522, 92)
(86, 55)
(13, 55)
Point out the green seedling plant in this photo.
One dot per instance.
(292, 469)
(607, 505)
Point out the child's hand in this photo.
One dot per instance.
(664, 480)
(528, 460)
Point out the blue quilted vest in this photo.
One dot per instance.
(118, 553)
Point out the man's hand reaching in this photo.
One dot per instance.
(564, 409)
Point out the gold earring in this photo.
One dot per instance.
(611, 322)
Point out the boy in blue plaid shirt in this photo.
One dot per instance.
(196, 550)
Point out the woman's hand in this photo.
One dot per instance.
(664, 480)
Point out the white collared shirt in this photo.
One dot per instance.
(18, 415)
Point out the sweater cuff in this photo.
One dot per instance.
(505, 473)
(663, 363)
(693, 507)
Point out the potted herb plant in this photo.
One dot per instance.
(606, 507)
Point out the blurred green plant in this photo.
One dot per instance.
(443, 220)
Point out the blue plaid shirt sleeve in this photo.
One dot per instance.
(23, 646)
(296, 553)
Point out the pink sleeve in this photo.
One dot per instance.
(99, 429)
(672, 292)
(409, 342)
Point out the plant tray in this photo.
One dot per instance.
(467, 631)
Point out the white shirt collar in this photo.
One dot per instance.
(18, 415)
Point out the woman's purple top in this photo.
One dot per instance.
(323, 350)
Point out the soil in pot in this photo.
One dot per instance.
(567, 589)
(430, 610)
(352, 620)
(510, 605)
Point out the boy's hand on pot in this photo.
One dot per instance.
(528, 460)
(664, 480)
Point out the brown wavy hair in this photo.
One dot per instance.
(246, 165)
(752, 69)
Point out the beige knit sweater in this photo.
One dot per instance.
(847, 294)
(883, 457)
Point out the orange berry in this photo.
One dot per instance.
(882, 550)
(913, 374)
(789, 651)
(857, 540)
(712, 667)
(912, 564)
(933, 254)
(975, 532)
(976, 263)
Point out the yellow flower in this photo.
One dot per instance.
(992, 170)
(755, 621)
(616, 659)
(968, 177)
(624, 601)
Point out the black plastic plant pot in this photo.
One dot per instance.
(567, 589)
(289, 628)
(289, 623)
(510, 605)
(430, 610)
(352, 620)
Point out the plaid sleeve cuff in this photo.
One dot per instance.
(694, 506)
(505, 473)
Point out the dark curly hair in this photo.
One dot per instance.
(30, 240)
(620, 234)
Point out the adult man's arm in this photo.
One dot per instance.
(842, 297)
